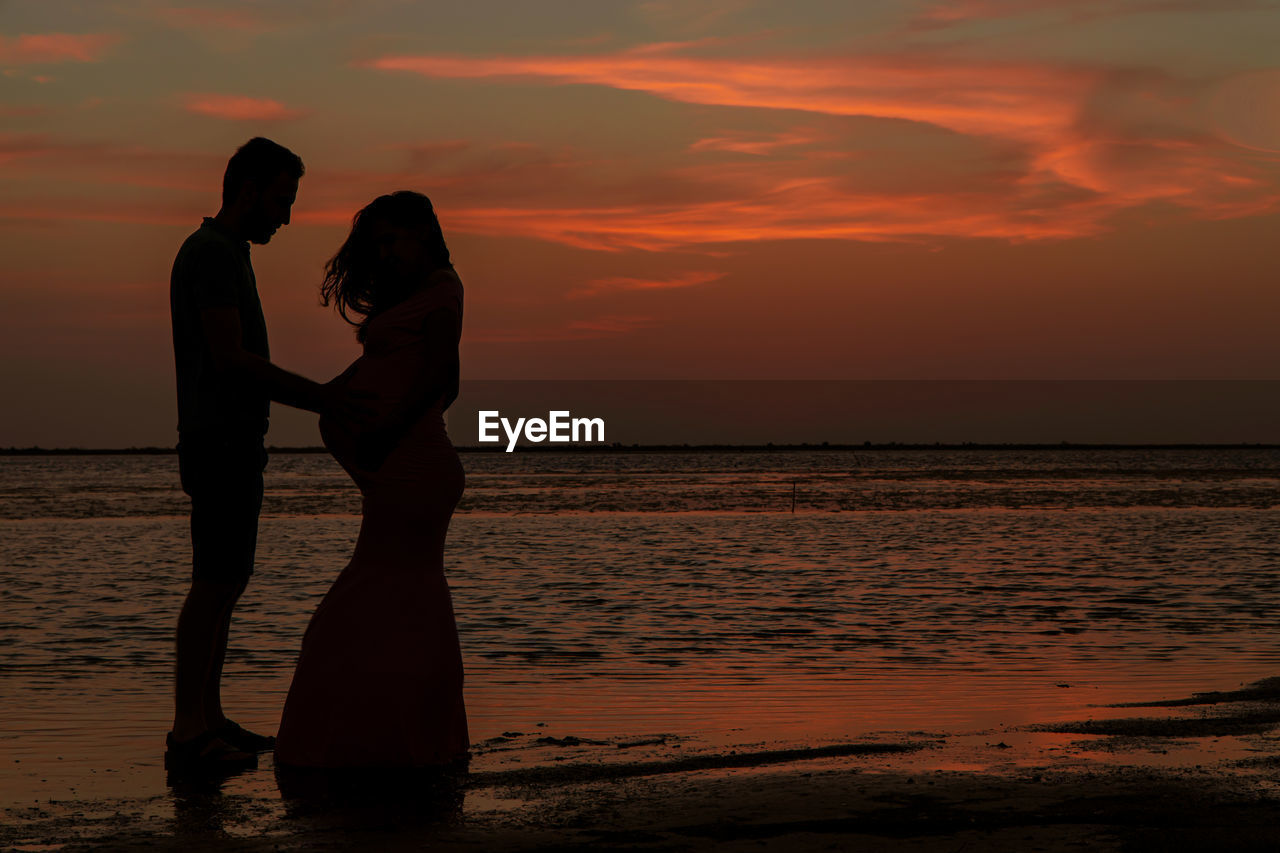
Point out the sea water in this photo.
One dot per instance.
(711, 597)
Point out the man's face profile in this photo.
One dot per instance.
(271, 206)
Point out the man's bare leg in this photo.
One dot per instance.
(213, 714)
(201, 649)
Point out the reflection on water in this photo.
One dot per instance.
(617, 597)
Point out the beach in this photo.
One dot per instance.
(1191, 773)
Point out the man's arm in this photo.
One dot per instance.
(221, 327)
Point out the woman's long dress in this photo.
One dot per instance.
(379, 679)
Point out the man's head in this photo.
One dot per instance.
(260, 185)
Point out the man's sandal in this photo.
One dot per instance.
(243, 739)
(206, 753)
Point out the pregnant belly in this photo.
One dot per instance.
(338, 435)
(339, 440)
(387, 379)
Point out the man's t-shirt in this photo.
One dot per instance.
(212, 270)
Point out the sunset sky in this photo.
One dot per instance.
(979, 189)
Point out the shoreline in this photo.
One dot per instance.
(617, 447)
(1141, 782)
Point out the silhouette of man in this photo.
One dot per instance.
(225, 384)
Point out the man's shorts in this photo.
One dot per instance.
(223, 476)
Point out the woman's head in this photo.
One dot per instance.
(394, 243)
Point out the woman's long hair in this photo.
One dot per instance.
(350, 275)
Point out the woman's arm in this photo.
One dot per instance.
(437, 378)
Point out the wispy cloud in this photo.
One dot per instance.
(1063, 192)
(47, 48)
(240, 108)
(755, 144)
(1113, 140)
(17, 146)
(1078, 144)
(1008, 99)
(813, 212)
(605, 285)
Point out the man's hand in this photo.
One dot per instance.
(352, 407)
(237, 366)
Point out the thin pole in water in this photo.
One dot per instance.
(793, 497)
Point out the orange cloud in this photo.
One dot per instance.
(1181, 172)
(1015, 100)
(240, 108)
(1078, 145)
(797, 214)
(54, 47)
(759, 145)
(689, 279)
(17, 147)
(1061, 192)
(1126, 140)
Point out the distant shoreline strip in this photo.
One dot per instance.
(681, 448)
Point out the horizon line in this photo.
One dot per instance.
(36, 450)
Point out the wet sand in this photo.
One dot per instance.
(1199, 772)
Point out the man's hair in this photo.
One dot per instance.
(259, 160)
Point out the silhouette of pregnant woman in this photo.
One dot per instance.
(379, 679)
